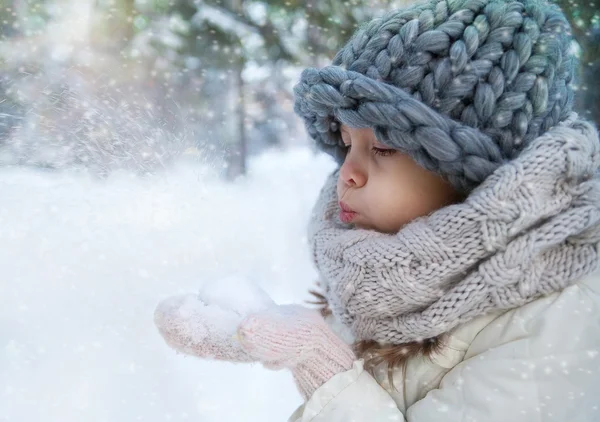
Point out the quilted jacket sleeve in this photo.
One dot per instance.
(353, 395)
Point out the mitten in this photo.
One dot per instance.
(204, 324)
(250, 327)
(192, 327)
(297, 338)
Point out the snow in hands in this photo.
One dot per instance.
(205, 324)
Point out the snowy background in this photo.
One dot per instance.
(148, 148)
(85, 262)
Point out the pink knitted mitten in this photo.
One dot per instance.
(278, 336)
(190, 326)
(298, 338)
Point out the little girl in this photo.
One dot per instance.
(457, 241)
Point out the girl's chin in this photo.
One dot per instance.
(362, 225)
(369, 226)
(360, 222)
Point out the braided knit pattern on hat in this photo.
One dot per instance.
(460, 85)
(530, 229)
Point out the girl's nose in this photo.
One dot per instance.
(352, 174)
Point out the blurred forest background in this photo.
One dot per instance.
(139, 84)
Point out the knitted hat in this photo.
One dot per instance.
(459, 85)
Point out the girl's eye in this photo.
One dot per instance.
(377, 151)
(383, 151)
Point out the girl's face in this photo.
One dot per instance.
(384, 187)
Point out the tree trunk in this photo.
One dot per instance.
(237, 151)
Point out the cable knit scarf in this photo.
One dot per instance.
(530, 229)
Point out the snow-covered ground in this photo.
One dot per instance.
(84, 262)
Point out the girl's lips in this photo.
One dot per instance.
(347, 217)
(346, 213)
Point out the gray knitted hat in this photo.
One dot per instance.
(459, 85)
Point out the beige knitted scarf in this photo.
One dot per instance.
(530, 229)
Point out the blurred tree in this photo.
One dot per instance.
(8, 18)
(584, 17)
(114, 20)
(214, 41)
(18, 19)
(22, 17)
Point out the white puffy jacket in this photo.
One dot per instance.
(536, 363)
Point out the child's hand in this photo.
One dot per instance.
(195, 328)
(204, 325)
(278, 336)
(297, 338)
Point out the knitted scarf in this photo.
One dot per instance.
(531, 228)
